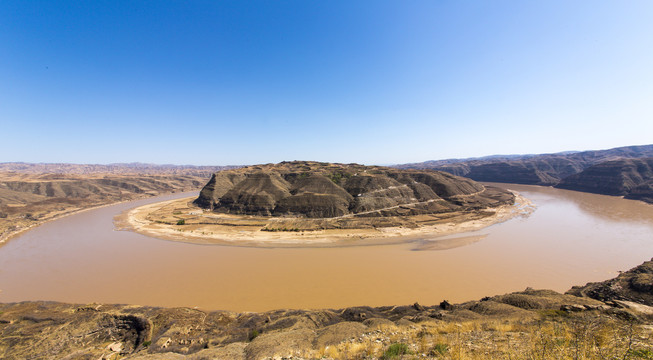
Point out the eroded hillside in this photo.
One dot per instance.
(29, 196)
(631, 178)
(624, 171)
(322, 190)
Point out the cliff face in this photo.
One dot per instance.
(506, 172)
(643, 192)
(632, 178)
(622, 171)
(321, 190)
(530, 171)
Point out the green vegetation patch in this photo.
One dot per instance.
(641, 354)
(396, 350)
(252, 335)
(439, 349)
(553, 314)
(337, 177)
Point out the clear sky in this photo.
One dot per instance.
(373, 82)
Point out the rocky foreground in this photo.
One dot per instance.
(532, 324)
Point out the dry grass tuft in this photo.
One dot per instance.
(552, 336)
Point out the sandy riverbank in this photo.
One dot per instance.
(203, 227)
(47, 217)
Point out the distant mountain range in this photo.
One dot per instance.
(624, 171)
(113, 169)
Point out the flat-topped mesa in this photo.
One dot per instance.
(324, 190)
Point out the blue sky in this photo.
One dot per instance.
(374, 82)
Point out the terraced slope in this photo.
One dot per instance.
(322, 190)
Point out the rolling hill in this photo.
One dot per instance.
(611, 172)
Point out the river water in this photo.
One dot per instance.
(570, 239)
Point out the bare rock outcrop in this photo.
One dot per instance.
(323, 190)
(635, 285)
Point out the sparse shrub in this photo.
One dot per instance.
(439, 349)
(423, 332)
(147, 343)
(181, 222)
(553, 313)
(337, 177)
(252, 335)
(642, 354)
(395, 350)
(3, 215)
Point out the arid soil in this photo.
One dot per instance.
(532, 324)
(31, 194)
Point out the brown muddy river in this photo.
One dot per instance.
(570, 239)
